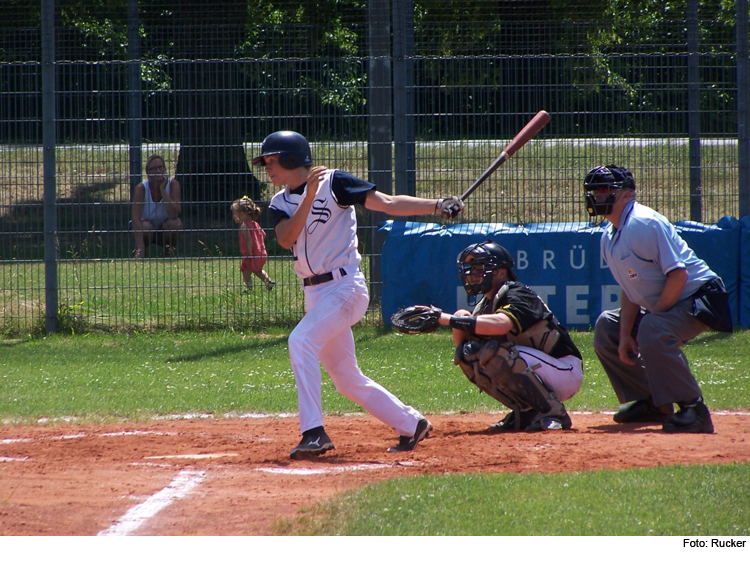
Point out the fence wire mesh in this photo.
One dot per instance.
(419, 97)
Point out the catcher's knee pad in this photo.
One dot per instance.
(498, 369)
(467, 358)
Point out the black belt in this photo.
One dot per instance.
(321, 278)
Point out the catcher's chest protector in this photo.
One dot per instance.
(542, 336)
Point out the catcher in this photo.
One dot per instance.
(511, 346)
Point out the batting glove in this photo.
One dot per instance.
(449, 207)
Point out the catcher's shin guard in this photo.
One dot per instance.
(499, 370)
(467, 358)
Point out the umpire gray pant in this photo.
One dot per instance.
(661, 371)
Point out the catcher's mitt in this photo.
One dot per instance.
(416, 319)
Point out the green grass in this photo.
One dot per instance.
(679, 500)
(540, 184)
(126, 295)
(141, 375)
(138, 376)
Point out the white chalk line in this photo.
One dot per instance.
(137, 516)
(11, 441)
(328, 470)
(192, 456)
(84, 435)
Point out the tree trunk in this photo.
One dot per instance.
(212, 166)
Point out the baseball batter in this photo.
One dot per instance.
(314, 217)
(511, 346)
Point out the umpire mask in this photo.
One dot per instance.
(483, 259)
(605, 181)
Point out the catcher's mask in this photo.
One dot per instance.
(605, 180)
(483, 258)
(292, 148)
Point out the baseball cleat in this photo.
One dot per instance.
(693, 418)
(643, 411)
(548, 422)
(508, 424)
(406, 443)
(314, 443)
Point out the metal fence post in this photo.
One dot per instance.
(403, 96)
(379, 130)
(694, 133)
(743, 106)
(49, 166)
(135, 135)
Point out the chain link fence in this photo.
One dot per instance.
(418, 97)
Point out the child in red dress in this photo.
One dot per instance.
(252, 242)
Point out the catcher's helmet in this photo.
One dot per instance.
(292, 148)
(483, 258)
(610, 177)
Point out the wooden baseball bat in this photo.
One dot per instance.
(522, 137)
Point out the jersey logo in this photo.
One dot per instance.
(632, 274)
(321, 214)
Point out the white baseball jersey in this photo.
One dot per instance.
(329, 238)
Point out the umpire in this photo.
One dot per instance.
(669, 296)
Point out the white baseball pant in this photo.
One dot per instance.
(564, 375)
(324, 336)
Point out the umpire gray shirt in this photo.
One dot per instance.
(643, 250)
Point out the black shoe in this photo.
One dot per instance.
(643, 411)
(692, 418)
(406, 443)
(314, 443)
(550, 422)
(508, 424)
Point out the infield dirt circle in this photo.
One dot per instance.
(83, 479)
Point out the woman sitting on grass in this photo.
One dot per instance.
(156, 209)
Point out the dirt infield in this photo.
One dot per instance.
(207, 476)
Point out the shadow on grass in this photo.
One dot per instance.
(261, 344)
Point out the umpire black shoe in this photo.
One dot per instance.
(643, 411)
(693, 417)
(314, 443)
(406, 443)
(508, 424)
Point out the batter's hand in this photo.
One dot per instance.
(449, 207)
(313, 179)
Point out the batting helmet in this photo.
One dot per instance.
(483, 258)
(292, 148)
(610, 177)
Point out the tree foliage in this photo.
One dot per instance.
(303, 63)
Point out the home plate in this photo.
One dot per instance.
(192, 456)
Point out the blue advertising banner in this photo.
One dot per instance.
(744, 266)
(561, 262)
